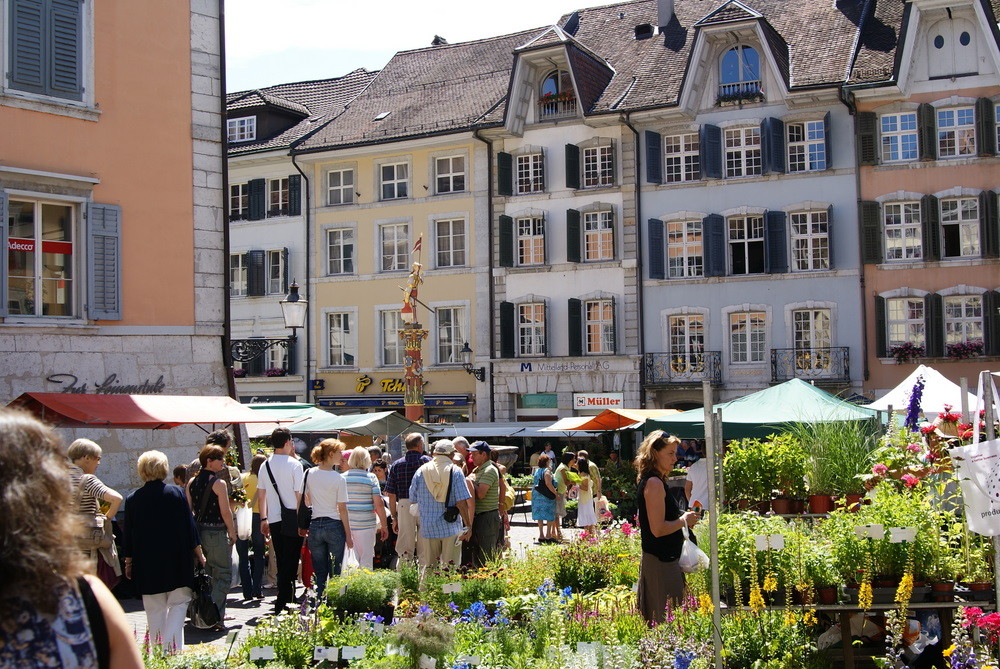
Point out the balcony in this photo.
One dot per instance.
(682, 368)
(559, 105)
(739, 93)
(811, 364)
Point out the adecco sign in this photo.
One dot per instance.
(598, 400)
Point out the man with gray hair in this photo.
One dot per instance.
(461, 445)
(397, 488)
(437, 485)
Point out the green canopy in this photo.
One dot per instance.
(382, 423)
(765, 412)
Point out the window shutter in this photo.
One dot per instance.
(573, 241)
(926, 132)
(65, 48)
(714, 235)
(294, 194)
(866, 129)
(104, 259)
(657, 248)
(256, 366)
(256, 273)
(989, 225)
(4, 254)
(881, 350)
(870, 214)
(614, 162)
(829, 235)
(710, 150)
(826, 140)
(575, 324)
(292, 366)
(991, 322)
(284, 271)
(506, 241)
(548, 329)
(505, 174)
(933, 326)
(986, 137)
(654, 157)
(27, 47)
(545, 170)
(930, 218)
(256, 197)
(775, 251)
(572, 166)
(614, 325)
(508, 329)
(772, 137)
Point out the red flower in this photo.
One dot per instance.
(909, 480)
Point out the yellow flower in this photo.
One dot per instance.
(905, 589)
(770, 583)
(756, 599)
(809, 618)
(948, 651)
(790, 618)
(865, 595)
(705, 605)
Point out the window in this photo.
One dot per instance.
(40, 271)
(277, 197)
(47, 45)
(395, 246)
(956, 132)
(747, 336)
(451, 334)
(902, 231)
(392, 344)
(746, 244)
(687, 342)
(242, 129)
(684, 250)
(341, 339)
(276, 272)
(739, 73)
(450, 242)
(960, 228)
(530, 173)
(277, 358)
(238, 274)
(811, 335)
(450, 174)
(531, 329)
(340, 251)
(806, 146)
(743, 152)
(239, 202)
(340, 187)
(555, 95)
(682, 157)
(531, 241)
(395, 181)
(598, 166)
(600, 326)
(905, 321)
(899, 137)
(810, 241)
(599, 235)
(963, 319)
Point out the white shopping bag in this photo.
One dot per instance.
(978, 470)
(244, 517)
(692, 558)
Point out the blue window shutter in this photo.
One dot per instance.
(27, 46)
(870, 216)
(710, 149)
(574, 322)
(257, 273)
(614, 325)
(930, 223)
(293, 363)
(572, 166)
(256, 198)
(505, 174)
(881, 350)
(294, 194)
(826, 139)
(866, 131)
(989, 225)
(573, 235)
(991, 322)
(772, 137)
(986, 136)
(255, 367)
(104, 260)
(775, 242)
(714, 236)
(657, 248)
(284, 271)
(508, 329)
(4, 254)
(829, 234)
(654, 157)
(65, 48)
(926, 132)
(506, 241)
(933, 326)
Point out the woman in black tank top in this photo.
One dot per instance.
(660, 524)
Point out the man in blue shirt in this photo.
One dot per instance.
(429, 490)
(397, 488)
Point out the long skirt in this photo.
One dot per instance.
(659, 582)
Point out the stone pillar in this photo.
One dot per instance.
(413, 393)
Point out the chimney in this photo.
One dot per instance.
(664, 12)
(438, 41)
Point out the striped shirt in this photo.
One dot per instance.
(93, 491)
(488, 475)
(361, 486)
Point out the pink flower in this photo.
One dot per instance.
(627, 529)
(880, 469)
(913, 448)
(971, 614)
(909, 480)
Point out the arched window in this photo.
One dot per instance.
(556, 96)
(739, 73)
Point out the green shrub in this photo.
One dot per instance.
(362, 591)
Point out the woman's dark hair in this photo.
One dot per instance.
(583, 465)
(543, 461)
(567, 457)
(257, 462)
(36, 555)
(211, 452)
(181, 472)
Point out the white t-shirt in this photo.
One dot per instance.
(697, 474)
(288, 475)
(326, 489)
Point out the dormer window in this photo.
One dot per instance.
(556, 97)
(242, 129)
(739, 75)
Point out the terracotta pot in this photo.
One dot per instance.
(820, 504)
(763, 506)
(827, 594)
(943, 591)
(798, 506)
(885, 582)
(852, 503)
(781, 505)
(979, 586)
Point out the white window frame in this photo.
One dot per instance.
(76, 288)
(686, 334)
(741, 85)
(343, 239)
(751, 226)
(239, 275)
(743, 152)
(898, 137)
(348, 341)
(810, 237)
(685, 243)
(275, 273)
(391, 350)
(277, 358)
(751, 349)
(397, 260)
(681, 157)
(239, 201)
(449, 352)
(531, 324)
(242, 129)
(905, 327)
(967, 325)
(957, 212)
(598, 166)
(599, 327)
(340, 193)
(529, 173)
(598, 235)
(398, 182)
(277, 197)
(454, 254)
(807, 151)
(530, 240)
(445, 173)
(901, 220)
(956, 132)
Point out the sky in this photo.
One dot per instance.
(279, 41)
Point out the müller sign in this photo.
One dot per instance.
(109, 386)
(598, 400)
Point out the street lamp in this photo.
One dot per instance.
(293, 310)
(478, 372)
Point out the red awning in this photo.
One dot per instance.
(138, 411)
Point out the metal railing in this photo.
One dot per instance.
(742, 89)
(823, 364)
(556, 108)
(682, 368)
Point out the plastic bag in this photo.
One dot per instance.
(692, 558)
(244, 517)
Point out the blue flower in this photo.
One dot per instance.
(372, 618)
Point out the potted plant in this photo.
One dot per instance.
(965, 349)
(835, 453)
(363, 591)
(239, 372)
(275, 371)
(748, 474)
(906, 352)
(787, 459)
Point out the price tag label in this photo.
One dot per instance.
(343, 590)
(262, 653)
(870, 531)
(231, 637)
(769, 542)
(427, 662)
(352, 652)
(451, 588)
(321, 653)
(393, 650)
(588, 647)
(898, 535)
(635, 588)
(472, 660)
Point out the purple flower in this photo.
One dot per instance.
(913, 410)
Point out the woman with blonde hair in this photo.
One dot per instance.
(88, 493)
(326, 493)
(660, 527)
(51, 614)
(364, 503)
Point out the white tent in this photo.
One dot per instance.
(938, 391)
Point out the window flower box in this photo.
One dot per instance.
(566, 96)
(239, 373)
(906, 352)
(275, 371)
(965, 349)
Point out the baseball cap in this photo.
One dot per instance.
(443, 447)
(481, 446)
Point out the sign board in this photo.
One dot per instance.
(598, 400)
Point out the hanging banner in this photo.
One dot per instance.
(978, 470)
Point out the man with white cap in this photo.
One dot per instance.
(437, 485)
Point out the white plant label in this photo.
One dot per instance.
(427, 662)
(588, 647)
(871, 531)
(451, 588)
(393, 650)
(378, 628)
(352, 652)
(321, 653)
(898, 535)
(262, 653)
(231, 638)
(472, 660)
(769, 542)
(343, 590)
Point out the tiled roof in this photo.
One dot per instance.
(259, 98)
(550, 36)
(439, 89)
(731, 11)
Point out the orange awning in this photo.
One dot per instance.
(609, 419)
(138, 411)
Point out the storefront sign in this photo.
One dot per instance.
(385, 385)
(598, 400)
(388, 401)
(109, 386)
(267, 399)
(596, 366)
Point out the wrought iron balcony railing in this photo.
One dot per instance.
(556, 108)
(821, 364)
(682, 368)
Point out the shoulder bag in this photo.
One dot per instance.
(289, 517)
(450, 514)
(543, 489)
(305, 512)
(96, 533)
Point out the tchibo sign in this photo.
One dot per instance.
(598, 400)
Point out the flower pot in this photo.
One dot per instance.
(820, 504)
(851, 502)
(977, 592)
(798, 506)
(943, 591)
(763, 506)
(782, 505)
(827, 594)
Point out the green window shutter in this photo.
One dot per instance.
(575, 324)
(506, 241)
(65, 48)
(826, 138)
(654, 157)
(986, 137)
(573, 236)
(989, 225)
(294, 194)
(104, 259)
(657, 248)
(505, 174)
(930, 223)
(284, 271)
(933, 326)
(293, 363)
(991, 322)
(256, 199)
(28, 55)
(866, 130)
(927, 132)
(829, 231)
(870, 216)
(775, 242)
(508, 329)
(4, 255)
(572, 166)
(256, 273)
(881, 350)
